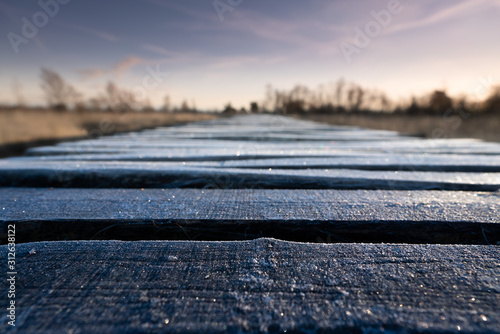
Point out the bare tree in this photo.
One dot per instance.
(112, 96)
(167, 107)
(121, 100)
(280, 100)
(318, 98)
(75, 98)
(269, 98)
(254, 107)
(97, 103)
(185, 106)
(492, 103)
(355, 96)
(58, 93)
(147, 106)
(339, 92)
(439, 102)
(385, 103)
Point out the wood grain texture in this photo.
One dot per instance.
(214, 214)
(258, 286)
(231, 187)
(297, 160)
(126, 174)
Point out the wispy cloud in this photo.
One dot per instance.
(92, 73)
(220, 63)
(159, 50)
(460, 9)
(91, 31)
(126, 64)
(117, 70)
(316, 37)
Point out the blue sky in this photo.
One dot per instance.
(214, 59)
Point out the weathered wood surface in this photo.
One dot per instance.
(190, 150)
(126, 174)
(256, 176)
(258, 286)
(244, 152)
(296, 160)
(213, 214)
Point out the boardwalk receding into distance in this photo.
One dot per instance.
(257, 223)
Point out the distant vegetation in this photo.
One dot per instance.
(62, 96)
(341, 97)
(68, 114)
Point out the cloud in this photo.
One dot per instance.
(172, 57)
(221, 63)
(158, 50)
(457, 10)
(304, 35)
(90, 74)
(126, 64)
(91, 31)
(117, 70)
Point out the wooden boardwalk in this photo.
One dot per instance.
(254, 224)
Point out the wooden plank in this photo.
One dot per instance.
(441, 163)
(255, 130)
(270, 136)
(248, 148)
(258, 286)
(211, 214)
(112, 144)
(263, 128)
(185, 154)
(263, 134)
(28, 204)
(89, 174)
(299, 160)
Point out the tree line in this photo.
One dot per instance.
(338, 97)
(345, 97)
(60, 95)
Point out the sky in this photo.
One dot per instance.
(215, 52)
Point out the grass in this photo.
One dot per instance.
(21, 129)
(484, 126)
(20, 126)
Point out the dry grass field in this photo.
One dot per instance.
(20, 129)
(485, 126)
